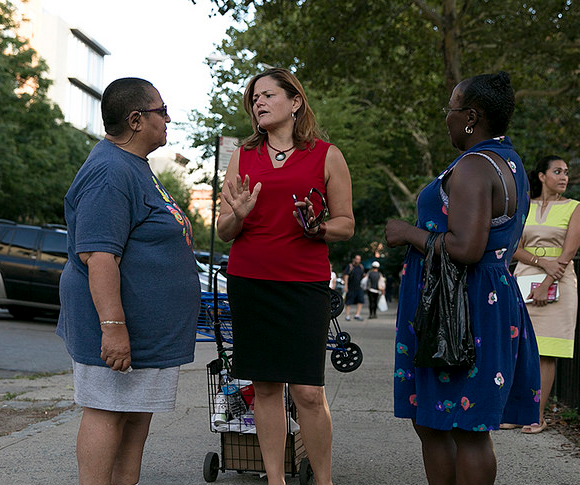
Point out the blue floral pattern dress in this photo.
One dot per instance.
(504, 384)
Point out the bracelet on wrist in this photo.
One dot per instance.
(112, 322)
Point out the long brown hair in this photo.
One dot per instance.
(306, 128)
(542, 166)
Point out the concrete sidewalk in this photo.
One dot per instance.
(371, 447)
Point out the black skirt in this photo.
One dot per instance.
(280, 329)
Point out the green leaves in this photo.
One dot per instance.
(378, 73)
(39, 153)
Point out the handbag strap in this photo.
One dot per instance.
(430, 243)
(448, 266)
(429, 254)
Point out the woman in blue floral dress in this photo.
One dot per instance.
(480, 201)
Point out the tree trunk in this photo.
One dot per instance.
(451, 51)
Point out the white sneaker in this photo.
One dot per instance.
(347, 318)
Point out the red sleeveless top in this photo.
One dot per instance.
(271, 245)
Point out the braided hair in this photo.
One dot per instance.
(493, 96)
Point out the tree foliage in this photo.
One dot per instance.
(378, 73)
(39, 153)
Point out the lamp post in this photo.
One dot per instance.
(224, 147)
(213, 212)
(211, 60)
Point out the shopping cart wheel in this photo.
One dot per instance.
(343, 338)
(336, 303)
(211, 466)
(306, 475)
(347, 358)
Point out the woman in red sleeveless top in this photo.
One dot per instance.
(278, 268)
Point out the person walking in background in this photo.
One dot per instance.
(332, 282)
(375, 287)
(548, 245)
(278, 270)
(355, 294)
(130, 292)
(479, 203)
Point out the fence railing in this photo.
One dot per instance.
(567, 383)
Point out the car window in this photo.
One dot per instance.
(23, 243)
(54, 248)
(5, 241)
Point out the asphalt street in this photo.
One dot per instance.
(31, 347)
(370, 446)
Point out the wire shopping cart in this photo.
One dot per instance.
(230, 404)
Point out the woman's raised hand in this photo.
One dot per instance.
(239, 197)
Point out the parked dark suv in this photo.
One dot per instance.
(31, 261)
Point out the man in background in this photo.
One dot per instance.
(355, 295)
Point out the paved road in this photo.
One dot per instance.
(30, 347)
(371, 447)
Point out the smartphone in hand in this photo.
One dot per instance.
(300, 213)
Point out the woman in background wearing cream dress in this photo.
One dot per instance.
(548, 245)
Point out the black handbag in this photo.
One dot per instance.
(442, 323)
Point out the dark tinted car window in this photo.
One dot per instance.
(54, 248)
(23, 243)
(5, 240)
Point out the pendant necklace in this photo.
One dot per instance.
(280, 154)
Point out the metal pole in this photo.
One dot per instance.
(213, 211)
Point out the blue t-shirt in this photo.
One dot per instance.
(116, 205)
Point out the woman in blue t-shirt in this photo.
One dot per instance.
(130, 292)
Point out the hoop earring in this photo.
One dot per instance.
(264, 132)
(469, 130)
(294, 116)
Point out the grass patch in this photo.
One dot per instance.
(41, 375)
(9, 396)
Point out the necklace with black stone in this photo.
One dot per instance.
(280, 154)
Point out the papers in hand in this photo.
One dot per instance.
(528, 282)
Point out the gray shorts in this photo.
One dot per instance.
(138, 391)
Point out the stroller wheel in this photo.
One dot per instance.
(336, 303)
(306, 475)
(347, 359)
(211, 466)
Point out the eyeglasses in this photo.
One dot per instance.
(448, 110)
(319, 219)
(162, 111)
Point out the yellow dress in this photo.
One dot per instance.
(543, 236)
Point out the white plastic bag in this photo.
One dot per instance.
(382, 304)
(382, 284)
(364, 283)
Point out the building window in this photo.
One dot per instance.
(85, 68)
(84, 110)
